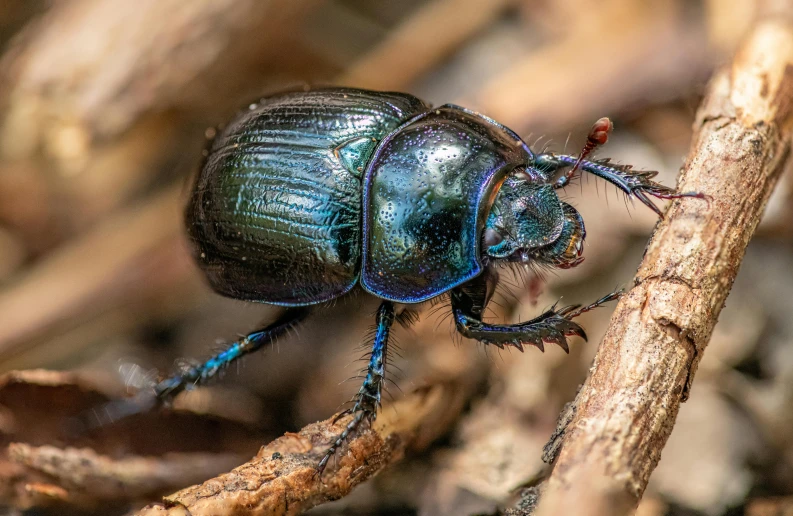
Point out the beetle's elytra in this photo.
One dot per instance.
(305, 195)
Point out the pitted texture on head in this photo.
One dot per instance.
(525, 215)
(426, 196)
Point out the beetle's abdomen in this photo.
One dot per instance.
(275, 213)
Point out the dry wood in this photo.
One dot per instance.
(83, 470)
(625, 411)
(111, 465)
(282, 480)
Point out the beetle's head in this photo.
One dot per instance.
(528, 223)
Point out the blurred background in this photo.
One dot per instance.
(104, 106)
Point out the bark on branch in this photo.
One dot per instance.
(625, 411)
(282, 480)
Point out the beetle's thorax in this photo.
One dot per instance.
(528, 223)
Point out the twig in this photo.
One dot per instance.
(625, 411)
(84, 472)
(282, 480)
(111, 466)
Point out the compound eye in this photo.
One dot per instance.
(492, 237)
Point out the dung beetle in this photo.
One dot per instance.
(306, 195)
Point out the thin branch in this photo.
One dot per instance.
(282, 480)
(625, 411)
(84, 473)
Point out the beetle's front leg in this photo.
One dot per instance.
(551, 326)
(637, 184)
(367, 400)
(555, 325)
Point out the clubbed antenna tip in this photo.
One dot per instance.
(598, 135)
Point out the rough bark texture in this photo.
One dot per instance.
(625, 411)
(282, 478)
(44, 462)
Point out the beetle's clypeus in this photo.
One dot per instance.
(306, 195)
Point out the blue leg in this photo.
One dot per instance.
(167, 389)
(170, 387)
(637, 184)
(367, 400)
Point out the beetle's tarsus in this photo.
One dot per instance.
(360, 416)
(340, 415)
(168, 388)
(573, 311)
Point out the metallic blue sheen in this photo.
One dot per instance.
(427, 193)
(369, 393)
(305, 194)
(276, 209)
(367, 400)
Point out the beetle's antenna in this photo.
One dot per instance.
(598, 135)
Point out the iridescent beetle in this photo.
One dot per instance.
(306, 195)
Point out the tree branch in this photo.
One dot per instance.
(282, 480)
(625, 411)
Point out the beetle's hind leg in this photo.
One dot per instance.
(167, 389)
(553, 326)
(367, 400)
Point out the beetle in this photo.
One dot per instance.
(307, 195)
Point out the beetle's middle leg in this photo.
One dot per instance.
(367, 400)
(554, 325)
